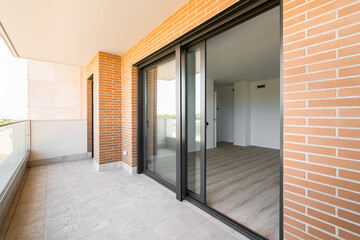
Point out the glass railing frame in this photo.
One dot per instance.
(23, 156)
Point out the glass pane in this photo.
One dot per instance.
(243, 131)
(14, 144)
(193, 119)
(161, 120)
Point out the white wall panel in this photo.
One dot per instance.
(56, 138)
(54, 91)
(265, 114)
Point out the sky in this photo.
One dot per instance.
(13, 85)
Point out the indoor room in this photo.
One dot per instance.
(243, 123)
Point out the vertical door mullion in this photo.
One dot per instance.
(92, 117)
(144, 75)
(202, 196)
(178, 183)
(203, 124)
(184, 165)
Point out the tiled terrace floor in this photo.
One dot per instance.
(72, 201)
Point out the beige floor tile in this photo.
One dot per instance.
(148, 234)
(20, 221)
(93, 224)
(55, 191)
(171, 229)
(34, 187)
(191, 218)
(32, 231)
(103, 234)
(65, 225)
(31, 198)
(4, 227)
(131, 227)
(59, 209)
(91, 210)
(154, 216)
(60, 233)
(210, 231)
(72, 201)
(188, 236)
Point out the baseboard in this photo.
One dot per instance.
(109, 166)
(66, 158)
(10, 190)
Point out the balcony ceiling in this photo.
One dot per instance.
(71, 32)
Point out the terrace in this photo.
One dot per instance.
(177, 119)
(71, 200)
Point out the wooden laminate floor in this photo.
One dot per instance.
(242, 183)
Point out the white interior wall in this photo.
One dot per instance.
(255, 114)
(228, 63)
(242, 122)
(210, 141)
(265, 113)
(55, 138)
(55, 110)
(225, 114)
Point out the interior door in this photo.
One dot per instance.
(195, 122)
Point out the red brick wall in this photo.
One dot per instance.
(109, 108)
(107, 115)
(321, 119)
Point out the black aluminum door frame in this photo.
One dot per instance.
(92, 117)
(234, 15)
(185, 192)
(144, 122)
(91, 78)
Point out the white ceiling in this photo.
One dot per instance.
(247, 52)
(72, 31)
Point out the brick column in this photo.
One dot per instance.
(321, 119)
(106, 69)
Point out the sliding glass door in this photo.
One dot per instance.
(210, 128)
(195, 122)
(160, 119)
(161, 127)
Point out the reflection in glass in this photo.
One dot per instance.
(161, 120)
(243, 116)
(14, 143)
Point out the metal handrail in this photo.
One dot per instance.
(7, 124)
